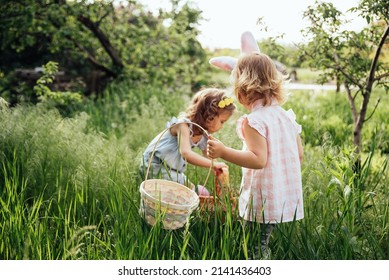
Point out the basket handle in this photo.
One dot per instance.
(159, 139)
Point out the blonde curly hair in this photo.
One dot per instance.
(255, 77)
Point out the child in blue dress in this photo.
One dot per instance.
(210, 109)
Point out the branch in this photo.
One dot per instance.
(350, 78)
(103, 40)
(356, 94)
(103, 17)
(372, 113)
(340, 69)
(355, 82)
(381, 76)
(91, 58)
(374, 63)
(352, 102)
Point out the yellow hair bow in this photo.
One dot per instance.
(225, 102)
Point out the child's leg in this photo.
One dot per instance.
(266, 230)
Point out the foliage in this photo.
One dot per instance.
(102, 41)
(46, 95)
(286, 54)
(321, 125)
(352, 58)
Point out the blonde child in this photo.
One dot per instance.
(271, 188)
(210, 108)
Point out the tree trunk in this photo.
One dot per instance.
(357, 140)
(366, 93)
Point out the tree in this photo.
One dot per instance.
(120, 42)
(356, 59)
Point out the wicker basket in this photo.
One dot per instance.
(166, 200)
(171, 201)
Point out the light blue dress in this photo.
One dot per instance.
(167, 162)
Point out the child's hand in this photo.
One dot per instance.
(219, 165)
(214, 148)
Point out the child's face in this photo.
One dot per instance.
(218, 122)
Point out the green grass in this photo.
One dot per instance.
(69, 187)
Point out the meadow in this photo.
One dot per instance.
(69, 183)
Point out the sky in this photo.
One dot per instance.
(226, 20)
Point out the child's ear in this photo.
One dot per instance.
(223, 62)
(248, 44)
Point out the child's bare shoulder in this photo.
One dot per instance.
(179, 127)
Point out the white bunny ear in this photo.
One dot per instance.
(248, 44)
(223, 62)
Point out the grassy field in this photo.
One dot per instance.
(69, 186)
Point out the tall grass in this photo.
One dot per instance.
(345, 213)
(69, 187)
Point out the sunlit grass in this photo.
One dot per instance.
(69, 191)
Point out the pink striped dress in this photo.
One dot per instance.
(273, 194)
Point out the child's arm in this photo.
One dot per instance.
(183, 134)
(300, 148)
(254, 158)
(217, 165)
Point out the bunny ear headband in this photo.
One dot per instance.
(247, 45)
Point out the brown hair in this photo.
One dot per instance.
(205, 107)
(256, 77)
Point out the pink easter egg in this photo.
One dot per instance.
(201, 190)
